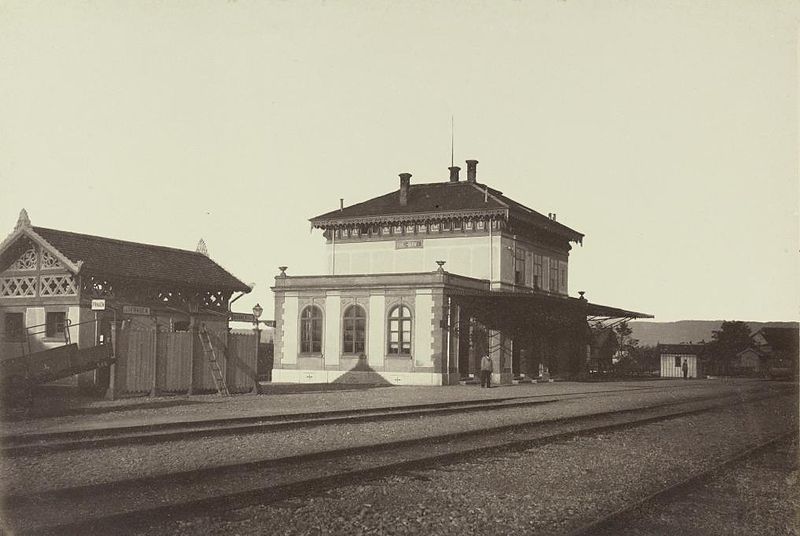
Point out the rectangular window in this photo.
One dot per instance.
(398, 229)
(54, 324)
(410, 229)
(434, 227)
(468, 225)
(553, 275)
(457, 225)
(421, 228)
(677, 361)
(14, 329)
(537, 271)
(480, 225)
(385, 230)
(519, 267)
(446, 226)
(562, 277)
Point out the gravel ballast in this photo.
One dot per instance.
(143, 411)
(35, 473)
(759, 495)
(550, 489)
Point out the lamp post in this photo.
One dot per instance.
(257, 310)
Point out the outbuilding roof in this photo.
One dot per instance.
(98, 255)
(109, 256)
(781, 339)
(681, 349)
(440, 200)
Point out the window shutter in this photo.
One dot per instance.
(546, 275)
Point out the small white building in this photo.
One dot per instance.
(673, 356)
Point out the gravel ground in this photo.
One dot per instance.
(546, 490)
(758, 496)
(35, 473)
(137, 411)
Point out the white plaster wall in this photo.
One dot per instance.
(423, 337)
(376, 327)
(329, 376)
(464, 255)
(333, 318)
(669, 370)
(74, 315)
(34, 316)
(289, 335)
(467, 255)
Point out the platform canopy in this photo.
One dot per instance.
(520, 311)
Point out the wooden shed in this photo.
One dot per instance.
(673, 356)
(151, 302)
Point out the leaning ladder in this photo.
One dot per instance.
(211, 355)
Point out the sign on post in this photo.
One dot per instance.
(242, 317)
(98, 305)
(135, 310)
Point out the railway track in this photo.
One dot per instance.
(106, 508)
(612, 522)
(42, 443)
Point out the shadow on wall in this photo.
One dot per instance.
(362, 374)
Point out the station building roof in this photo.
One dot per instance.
(440, 201)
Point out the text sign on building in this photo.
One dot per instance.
(98, 305)
(407, 244)
(242, 317)
(135, 310)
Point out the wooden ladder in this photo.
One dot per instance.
(211, 355)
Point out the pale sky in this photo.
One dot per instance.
(667, 132)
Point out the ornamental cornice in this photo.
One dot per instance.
(329, 223)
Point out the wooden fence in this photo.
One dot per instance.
(173, 362)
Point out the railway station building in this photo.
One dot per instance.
(150, 301)
(425, 280)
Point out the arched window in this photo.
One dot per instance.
(311, 330)
(354, 330)
(400, 330)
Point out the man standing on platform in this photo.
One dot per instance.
(486, 371)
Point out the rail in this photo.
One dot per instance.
(50, 331)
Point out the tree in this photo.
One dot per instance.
(732, 337)
(647, 357)
(624, 339)
(626, 363)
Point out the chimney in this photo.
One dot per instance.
(341, 204)
(472, 170)
(454, 173)
(405, 183)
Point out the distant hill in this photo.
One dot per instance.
(651, 333)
